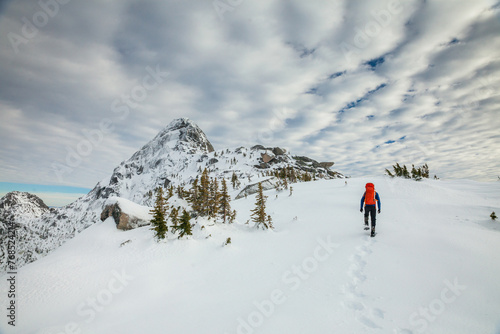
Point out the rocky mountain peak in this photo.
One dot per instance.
(181, 134)
(168, 153)
(23, 203)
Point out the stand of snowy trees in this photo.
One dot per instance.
(207, 197)
(416, 173)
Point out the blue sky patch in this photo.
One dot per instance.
(38, 188)
(336, 75)
(353, 104)
(373, 63)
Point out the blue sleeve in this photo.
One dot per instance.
(377, 197)
(362, 201)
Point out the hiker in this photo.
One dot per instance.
(369, 200)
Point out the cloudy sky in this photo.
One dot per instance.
(360, 83)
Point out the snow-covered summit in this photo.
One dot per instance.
(181, 134)
(170, 152)
(23, 203)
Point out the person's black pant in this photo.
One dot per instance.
(370, 210)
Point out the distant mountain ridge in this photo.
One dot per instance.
(175, 156)
(23, 203)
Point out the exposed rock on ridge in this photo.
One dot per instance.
(127, 215)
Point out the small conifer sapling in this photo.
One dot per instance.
(259, 216)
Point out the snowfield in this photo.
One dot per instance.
(433, 268)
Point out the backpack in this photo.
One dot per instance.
(370, 194)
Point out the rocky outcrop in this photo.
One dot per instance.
(279, 151)
(326, 165)
(267, 157)
(308, 162)
(254, 187)
(274, 150)
(126, 214)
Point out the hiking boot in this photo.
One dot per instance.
(373, 231)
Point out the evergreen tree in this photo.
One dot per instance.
(282, 173)
(292, 175)
(213, 203)
(180, 192)
(285, 182)
(398, 170)
(185, 224)
(414, 173)
(204, 193)
(224, 206)
(159, 212)
(306, 177)
(388, 172)
(406, 174)
(258, 215)
(170, 192)
(424, 171)
(234, 181)
(194, 196)
(174, 217)
(232, 216)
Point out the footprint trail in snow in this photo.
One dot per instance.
(354, 296)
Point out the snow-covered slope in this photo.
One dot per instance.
(175, 156)
(432, 268)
